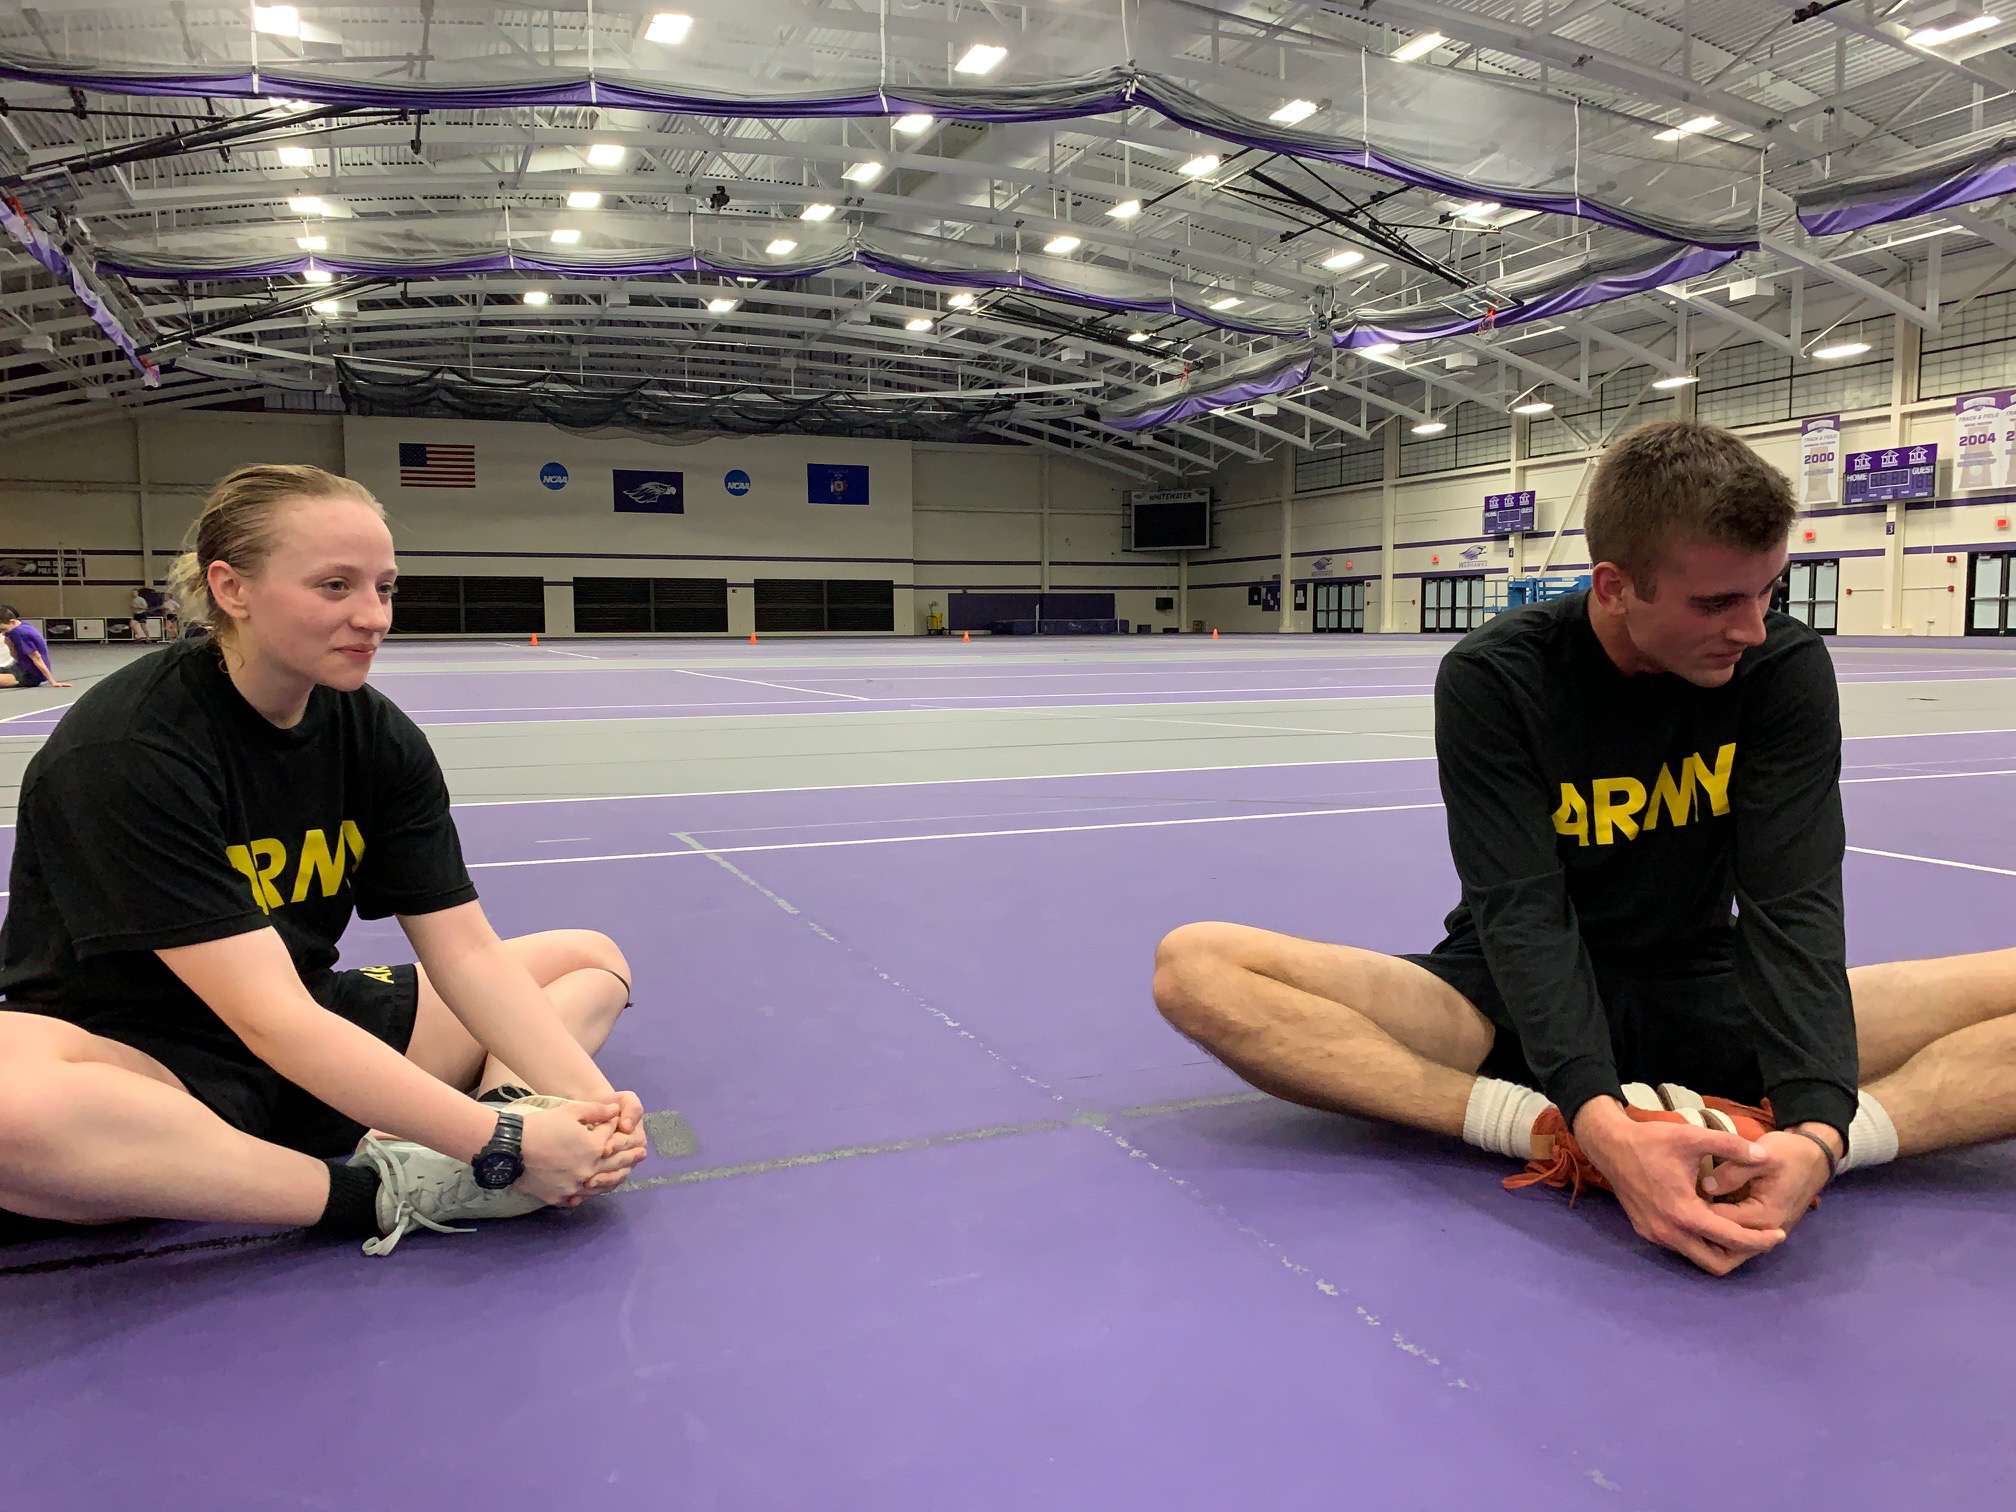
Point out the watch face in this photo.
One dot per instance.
(498, 1170)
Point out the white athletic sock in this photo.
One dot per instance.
(1500, 1117)
(1872, 1138)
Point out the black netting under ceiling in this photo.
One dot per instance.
(662, 409)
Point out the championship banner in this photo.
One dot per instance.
(1985, 452)
(1819, 461)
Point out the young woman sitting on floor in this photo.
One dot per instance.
(184, 1048)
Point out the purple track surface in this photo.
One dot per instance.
(970, 1229)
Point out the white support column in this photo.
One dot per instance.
(1389, 501)
(1897, 519)
(140, 498)
(1183, 591)
(1043, 521)
(1287, 623)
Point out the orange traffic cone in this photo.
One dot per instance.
(535, 640)
(966, 637)
(752, 637)
(1214, 635)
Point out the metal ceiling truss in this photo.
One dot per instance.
(1817, 93)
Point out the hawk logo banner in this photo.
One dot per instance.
(650, 492)
(826, 483)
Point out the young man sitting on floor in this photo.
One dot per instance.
(1620, 767)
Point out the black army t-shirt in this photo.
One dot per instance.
(1595, 817)
(166, 811)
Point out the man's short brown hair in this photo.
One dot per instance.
(1675, 483)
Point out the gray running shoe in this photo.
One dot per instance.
(422, 1188)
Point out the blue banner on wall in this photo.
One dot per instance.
(827, 483)
(650, 492)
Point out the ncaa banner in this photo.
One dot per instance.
(1819, 461)
(1985, 456)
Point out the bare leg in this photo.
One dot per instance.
(1938, 1047)
(92, 1131)
(1327, 1026)
(585, 977)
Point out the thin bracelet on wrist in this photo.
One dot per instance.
(1833, 1160)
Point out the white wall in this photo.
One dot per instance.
(1437, 520)
(512, 524)
(1009, 520)
(940, 518)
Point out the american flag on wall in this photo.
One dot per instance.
(430, 464)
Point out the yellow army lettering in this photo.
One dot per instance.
(1615, 803)
(264, 860)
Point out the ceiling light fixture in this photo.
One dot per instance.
(1137, 337)
(1685, 129)
(863, 173)
(1420, 47)
(1060, 246)
(1294, 111)
(607, 154)
(1228, 302)
(537, 297)
(1677, 381)
(297, 157)
(307, 204)
(980, 58)
(1125, 210)
(782, 247)
(816, 213)
(584, 199)
(722, 306)
(1838, 350)
(668, 28)
(914, 125)
(277, 20)
(312, 243)
(1532, 407)
(1340, 260)
(327, 306)
(1198, 166)
(565, 236)
(1430, 427)
(918, 323)
(961, 301)
(318, 276)
(1937, 36)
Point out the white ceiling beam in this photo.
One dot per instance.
(1805, 257)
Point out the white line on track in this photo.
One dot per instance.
(1237, 766)
(849, 787)
(1048, 829)
(2000, 871)
(755, 682)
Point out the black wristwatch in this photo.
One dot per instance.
(499, 1162)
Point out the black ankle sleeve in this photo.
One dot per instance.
(352, 1212)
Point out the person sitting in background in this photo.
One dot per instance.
(30, 652)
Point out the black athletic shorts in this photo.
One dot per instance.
(248, 1094)
(1687, 1023)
